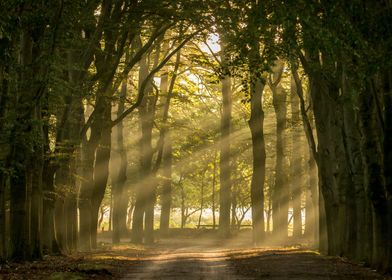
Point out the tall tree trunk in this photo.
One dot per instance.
(37, 163)
(183, 208)
(145, 193)
(164, 147)
(101, 173)
(201, 200)
(258, 152)
(280, 198)
(3, 224)
(374, 170)
(85, 203)
(3, 160)
(20, 152)
(387, 94)
(358, 233)
(49, 240)
(166, 196)
(296, 162)
(120, 198)
(224, 163)
(213, 208)
(307, 120)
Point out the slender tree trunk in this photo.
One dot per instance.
(201, 201)
(183, 214)
(167, 185)
(36, 196)
(3, 162)
(224, 163)
(129, 215)
(49, 239)
(259, 156)
(101, 173)
(296, 162)
(3, 228)
(280, 198)
(165, 148)
(101, 216)
(119, 192)
(234, 206)
(110, 212)
(213, 208)
(313, 154)
(144, 193)
(387, 94)
(85, 203)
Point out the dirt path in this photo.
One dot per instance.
(179, 258)
(186, 263)
(209, 260)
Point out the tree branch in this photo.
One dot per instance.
(148, 78)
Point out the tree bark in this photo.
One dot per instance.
(213, 208)
(258, 152)
(166, 196)
(374, 178)
(119, 192)
(145, 193)
(280, 198)
(224, 163)
(296, 163)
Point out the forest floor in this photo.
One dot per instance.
(190, 257)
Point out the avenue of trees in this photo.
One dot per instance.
(278, 110)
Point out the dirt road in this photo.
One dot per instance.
(182, 260)
(191, 257)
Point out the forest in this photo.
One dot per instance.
(139, 122)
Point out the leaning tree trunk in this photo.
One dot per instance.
(307, 120)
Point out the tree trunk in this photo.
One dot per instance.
(20, 152)
(280, 198)
(313, 155)
(374, 178)
(145, 193)
(85, 203)
(3, 228)
(36, 203)
(387, 94)
(224, 163)
(201, 200)
(358, 232)
(183, 214)
(213, 208)
(296, 163)
(166, 196)
(101, 173)
(118, 186)
(258, 175)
